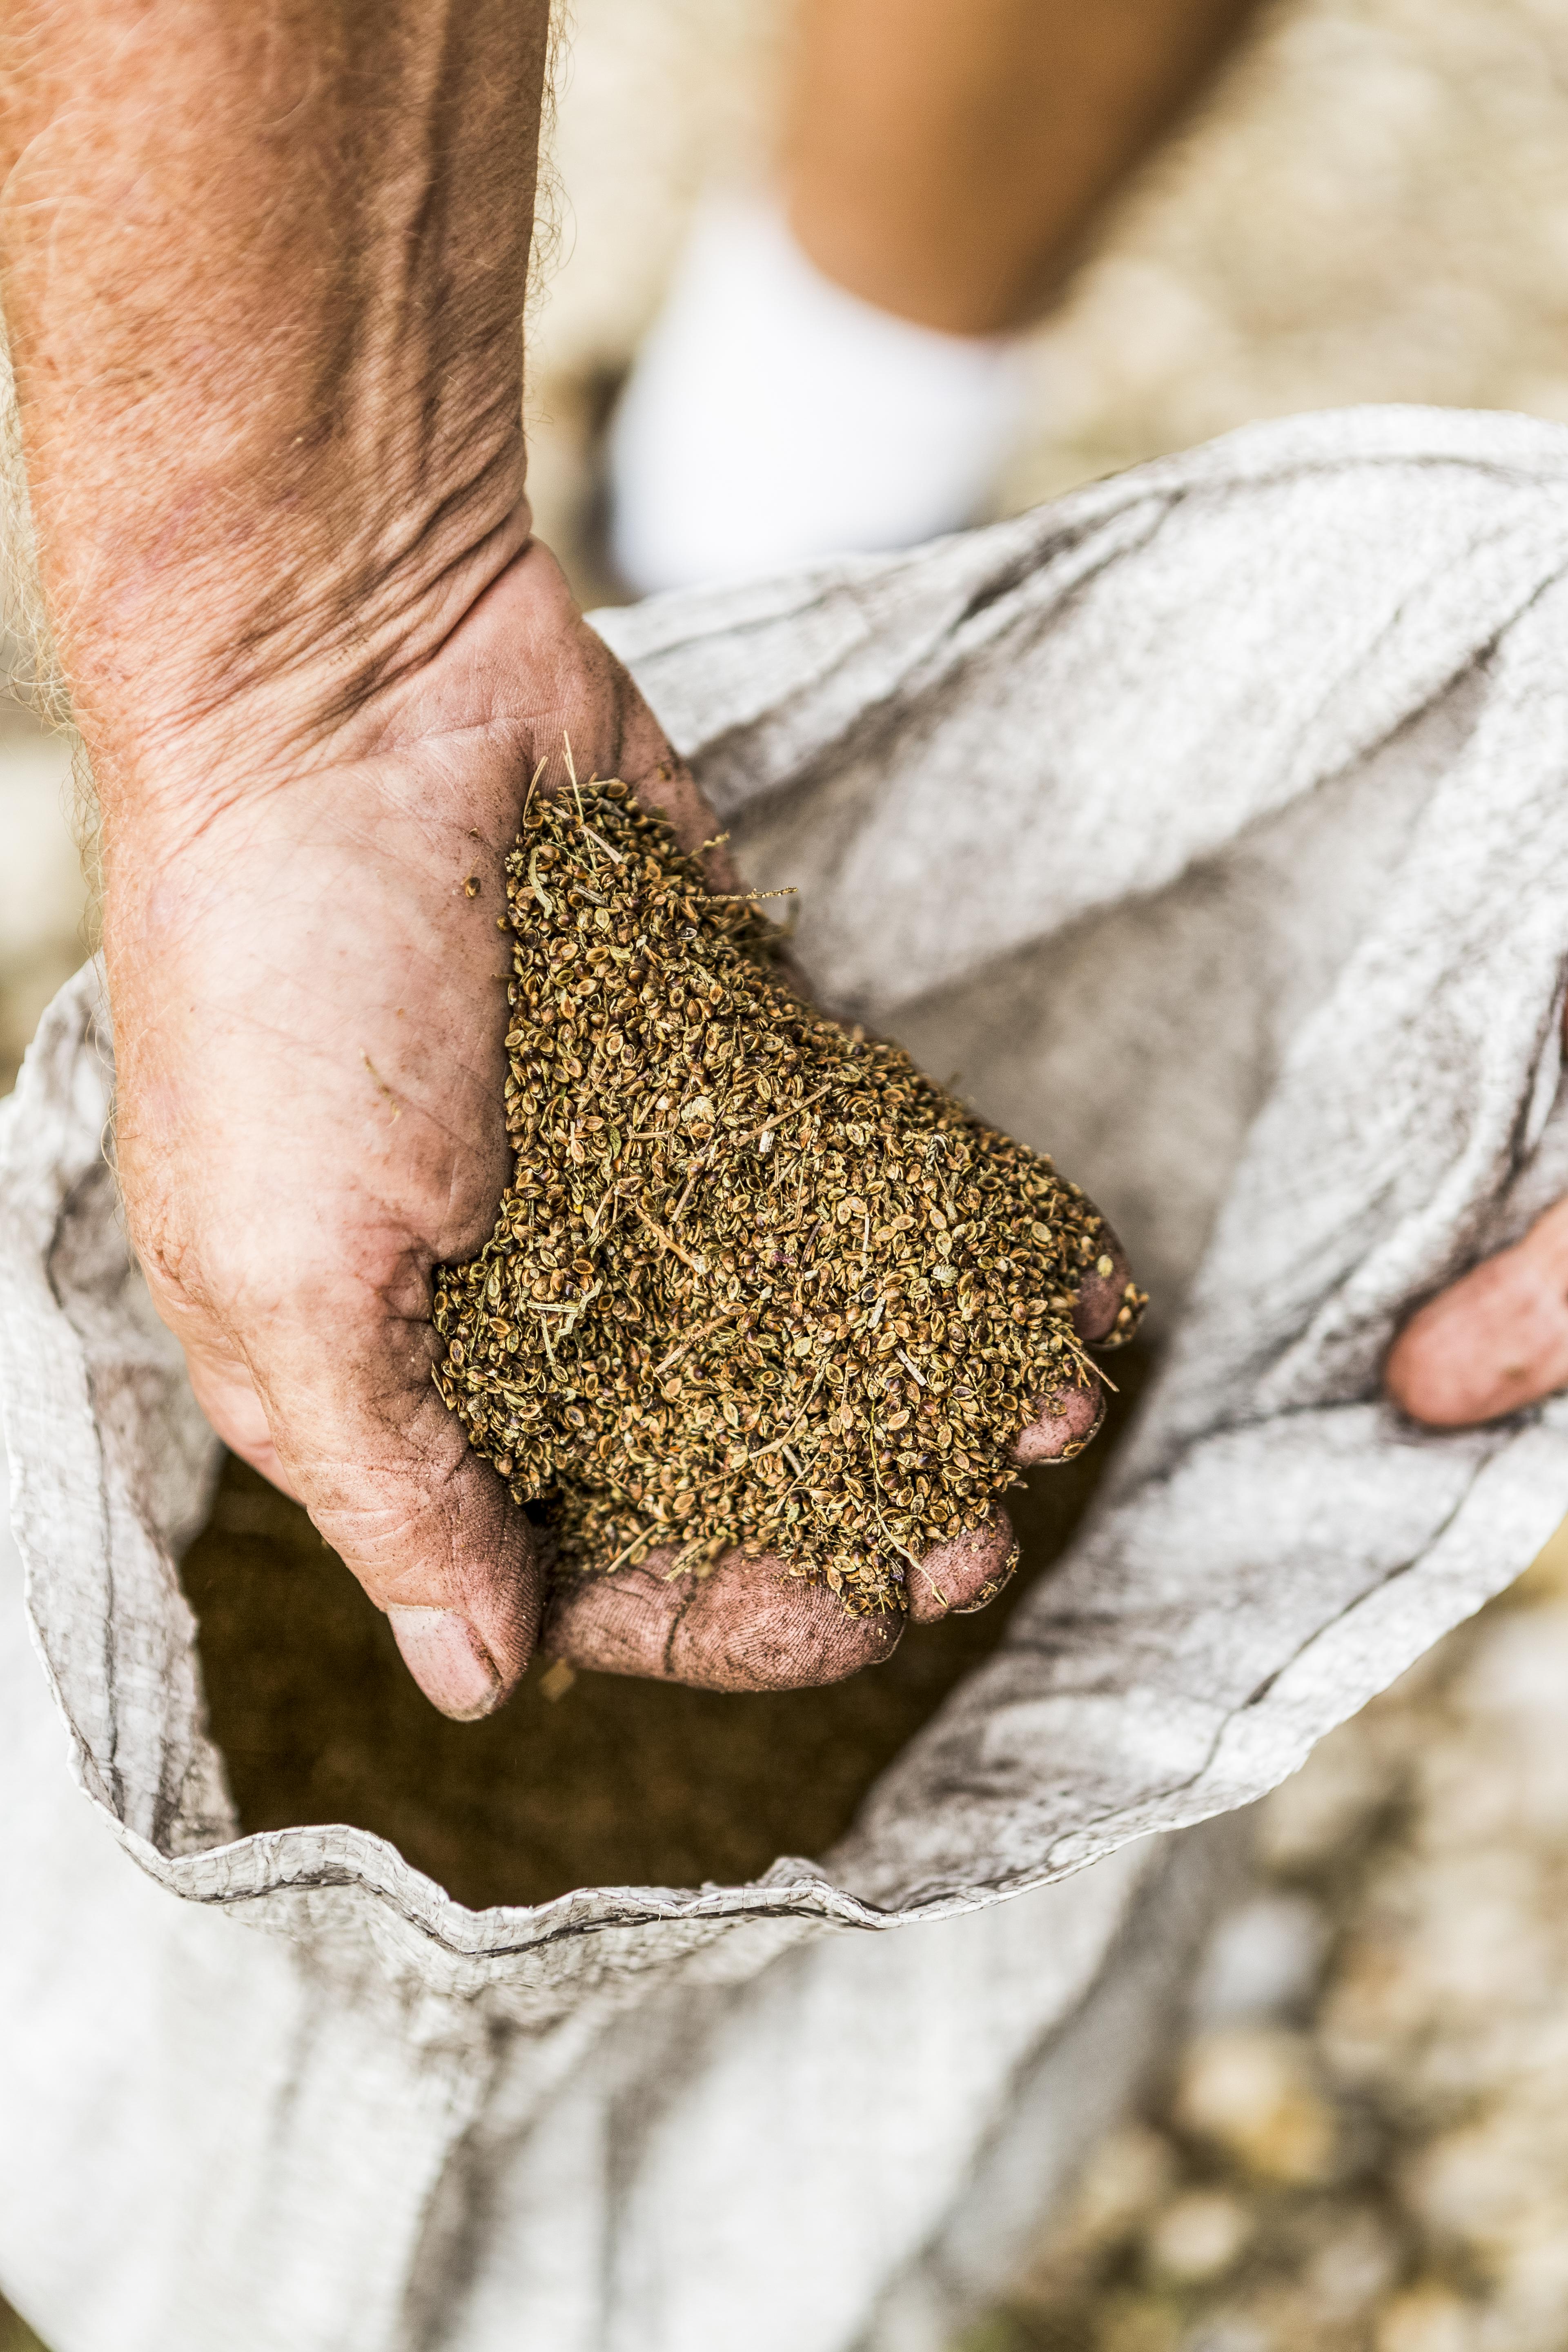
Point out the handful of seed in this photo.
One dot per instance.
(756, 1283)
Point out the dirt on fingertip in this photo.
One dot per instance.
(757, 1283)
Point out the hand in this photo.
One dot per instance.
(308, 989)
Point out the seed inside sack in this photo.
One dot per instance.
(756, 1284)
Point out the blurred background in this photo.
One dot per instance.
(1360, 2145)
(1363, 2141)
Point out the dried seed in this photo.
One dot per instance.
(727, 1378)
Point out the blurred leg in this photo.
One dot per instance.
(946, 159)
(837, 366)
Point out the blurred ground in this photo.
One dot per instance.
(1366, 2144)
(1363, 2144)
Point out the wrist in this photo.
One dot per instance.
(204, 688)
(453, 736)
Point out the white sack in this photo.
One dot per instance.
(1212, 821)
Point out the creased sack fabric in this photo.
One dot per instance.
(1214, 823)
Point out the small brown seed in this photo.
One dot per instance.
(699, 1321)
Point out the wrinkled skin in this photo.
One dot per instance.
(750, 1626)
(311, 1008)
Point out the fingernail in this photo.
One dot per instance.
(448, 1661)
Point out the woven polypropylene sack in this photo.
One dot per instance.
(1214, 821)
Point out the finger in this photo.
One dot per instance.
(1105, 1313)
(1068, 1418)
(1494, 1340)
(387, 1476)
(749, 1626)
(1108, 1303)
(964, 1574)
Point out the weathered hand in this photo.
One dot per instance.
(316, 659)
(309, 1000)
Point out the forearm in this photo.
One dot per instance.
(264, 273)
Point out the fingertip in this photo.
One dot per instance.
(617, 1623)
(964, 1574)
(449, 1662)
(1416, 1380)
(1107, 1303)
(752, 1626)
(467, 1616)
(440, 1546)
(1068, 1418)
(747, 1626)
(1494, 1343)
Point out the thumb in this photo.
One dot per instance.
(356, 1432)
(1495, 1340)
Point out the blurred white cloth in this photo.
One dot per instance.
(771, 417)
(1214, 821)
